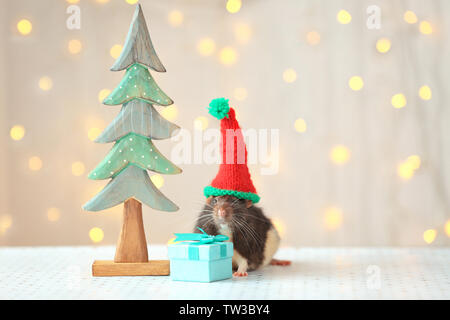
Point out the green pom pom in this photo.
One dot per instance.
(219, 108)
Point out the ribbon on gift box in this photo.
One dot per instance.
(202, 238)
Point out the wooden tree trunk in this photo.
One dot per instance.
(132, 246)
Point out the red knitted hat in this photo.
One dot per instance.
(233, 177)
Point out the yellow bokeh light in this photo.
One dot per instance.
(447, 228)
(96, 234)
(53, 214)
(228, 56)
(115, 51)
(414, 161)
(242, 32)
(289, 75)
(425, 93)
(383, 45)
(343, 17)
(405, 170)
(175, 18)
(425, 27)
(17, 132)
(102, 1)
(78, 168)
(24, 26)
(398, 101)
(332, 218)
(313, 38)
(73, 1)
(93, 133)
(240, 94)
(131, 1)
(157, 180)
(356, 83)
(300, 125)
(201, 123)
(35, 163)
(5, 222)
(234, 6)
(429, 236)
(170, 113)
(410, 17)
(45, 83)
(74, 46)
(340, 154)
(103, 94)
(206, 46)
(280, 226)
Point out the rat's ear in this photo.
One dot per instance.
(208, 200)
(248, 203)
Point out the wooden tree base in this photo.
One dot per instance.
(108, 268)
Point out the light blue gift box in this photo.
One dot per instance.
(200, 262)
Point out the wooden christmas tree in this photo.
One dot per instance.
(134, 153)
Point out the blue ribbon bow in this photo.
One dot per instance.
(202, 238)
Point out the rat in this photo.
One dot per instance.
(255, 239)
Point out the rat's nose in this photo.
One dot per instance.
(221, 213)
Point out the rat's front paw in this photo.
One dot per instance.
(240, 274)
(276, 262)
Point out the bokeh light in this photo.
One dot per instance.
(425, 93)
(300, 125)
(78, 168)
(340, 154)
(74, 46)
(425, 27)
(356, 83)
(73, 1)
(206, 46)
(228, 56)
(17, 132)
(233, 6)
(131, 1)
(103, 94)
(24, 26)
(410, 17)
(333, 218)
(313, 38)
(96, 234)
(93, 133)
(5, 223)
(289, 75)
(343, 17)
(383, 45)
(157, 180)
(414, 161)
(35, 163)
(115, 51)
(201, 123)
(170, 113)
(398, 101)
(45, 83)
(429, 236)
(405, 170)
(242, 32)
(279, 225)
(53, 214)
(102, 1)
(447, 228)
(175, 18)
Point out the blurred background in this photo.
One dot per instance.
(358, 93)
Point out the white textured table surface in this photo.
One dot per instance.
(316, 273)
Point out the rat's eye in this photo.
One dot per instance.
(213, 201)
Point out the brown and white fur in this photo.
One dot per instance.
(255, 240)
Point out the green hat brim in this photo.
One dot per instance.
(211, 191)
